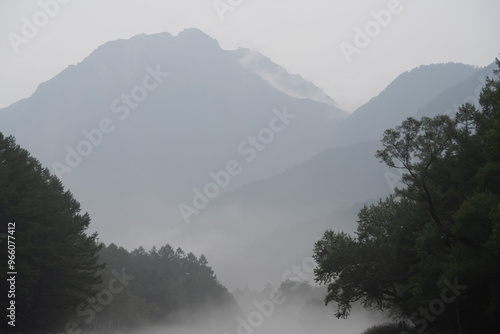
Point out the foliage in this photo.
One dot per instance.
(55, 260)
(164, 284)
(389, 328)
(443, 226)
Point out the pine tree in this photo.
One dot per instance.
(56, 260)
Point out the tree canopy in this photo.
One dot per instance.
(56, 261)
(439, 234)
(163, 285)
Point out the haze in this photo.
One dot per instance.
(239, 131)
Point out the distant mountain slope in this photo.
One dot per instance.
(263, 222)
(452, 98)
(408, 93)
(334, 178)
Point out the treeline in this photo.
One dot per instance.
(430, 253)
(64, 280)
(155, 287)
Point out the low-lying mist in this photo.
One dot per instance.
(294, 308)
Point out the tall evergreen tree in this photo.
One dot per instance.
(56, 260)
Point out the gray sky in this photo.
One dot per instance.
(303, 36)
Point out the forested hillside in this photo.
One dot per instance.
(430, 253)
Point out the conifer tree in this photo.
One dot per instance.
(56, 260)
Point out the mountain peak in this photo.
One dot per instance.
(198, 38)
(278, 77)
(190, 32)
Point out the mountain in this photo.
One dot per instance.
(198, 86)
(402, 98)
(453, 97)
(142, 122)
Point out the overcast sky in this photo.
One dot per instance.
(305, 37)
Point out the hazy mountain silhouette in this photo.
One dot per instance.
(193, 121)
(409, 92)
(452, 98)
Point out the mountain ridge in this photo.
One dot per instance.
(406, 94)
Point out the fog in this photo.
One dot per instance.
(272, 311)
(213, 145)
